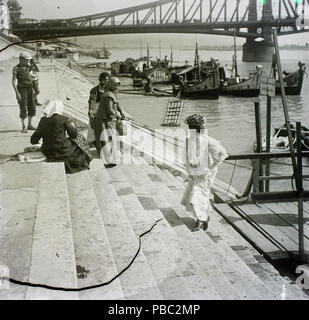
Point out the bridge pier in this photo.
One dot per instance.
(253, 51)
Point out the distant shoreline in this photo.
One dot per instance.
(239, 48)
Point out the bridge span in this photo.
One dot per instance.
(250, 19)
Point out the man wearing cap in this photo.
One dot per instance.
(96, 94)
(22, 84)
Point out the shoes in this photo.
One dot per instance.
(39, 104)
(110, 165)
(31, 128)
(24, 130)
(201, 225)
(205, 225)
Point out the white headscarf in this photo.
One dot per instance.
(54, 106)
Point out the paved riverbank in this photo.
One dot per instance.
(80, 230)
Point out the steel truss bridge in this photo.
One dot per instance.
(244, 18)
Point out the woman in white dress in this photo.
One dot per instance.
(203, 156)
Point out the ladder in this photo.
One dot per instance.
(173, 113)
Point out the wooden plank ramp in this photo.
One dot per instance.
(264, 244)
(270, 228)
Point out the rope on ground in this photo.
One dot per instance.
(38, 285)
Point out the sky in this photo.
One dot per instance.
(56, 9)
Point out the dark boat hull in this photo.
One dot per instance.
(201, 82)
(199, 94)
(251, 87)
(289, 91)
(242, 87)
(293, 82)
(241, 93)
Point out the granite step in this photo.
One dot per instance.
(140, 212)
(171, 177)
(52, 255)
(217, 228)
(220, 281)
(160, 196)
(161, 247)
(171, 181)
(161, 235)
(94, 259)
(18, 197)
(138, 281)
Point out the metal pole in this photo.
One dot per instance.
(176, 10)
(210, 10)
(299, 158)
(268, 133)
(300, 191)
(258, 143)
(249, 186)
(285, 107)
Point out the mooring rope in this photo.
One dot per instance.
(235, 164)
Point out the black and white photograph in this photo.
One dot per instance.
(154, 151)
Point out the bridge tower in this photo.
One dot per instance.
(259, 50)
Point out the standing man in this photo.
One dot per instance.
(23, 87)
(35, 80)
(96, 94)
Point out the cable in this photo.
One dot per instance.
(238, 165)
(38, 285)
(292, 182)
(232, 177)
(250, 169)
(287, 164)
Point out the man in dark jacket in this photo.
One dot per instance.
(96, 94)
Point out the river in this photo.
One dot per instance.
(230, 119)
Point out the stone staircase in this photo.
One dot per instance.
(80, 230)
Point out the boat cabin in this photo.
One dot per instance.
(158, 75)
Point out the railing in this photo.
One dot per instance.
(258, 178)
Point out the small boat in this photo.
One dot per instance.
(292, 81)
(198, 81)
(250, 87)
(104, 54)
(154, 93)
(279, 141)
(237, 86)
(240, 87)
